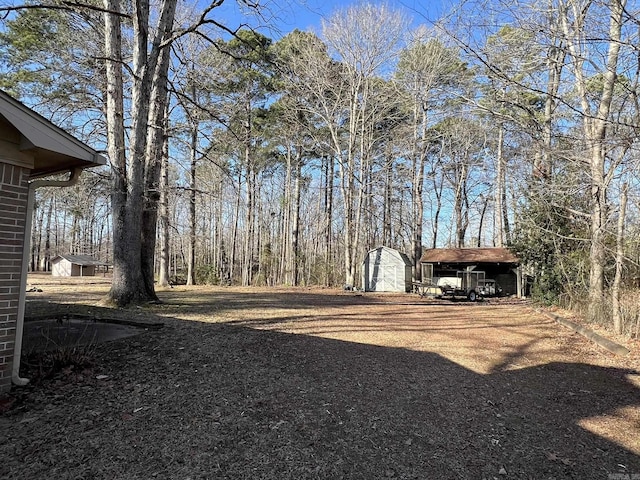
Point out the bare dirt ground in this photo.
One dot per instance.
(311, 383)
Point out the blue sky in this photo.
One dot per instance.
(283, 16)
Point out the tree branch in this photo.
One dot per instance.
(65, 6)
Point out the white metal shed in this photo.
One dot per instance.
(386, 270)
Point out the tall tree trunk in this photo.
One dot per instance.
(328, 233)
(219, 238)
(47, 239)
(136, 184)
(499, 190)
(75, 235)
(62, 245)
(617, 281)
(140, 97)
(388, 199)
(419, 161)
(542, 168)
(191, 262)
(597, 253)
(36, 238)
(481, 222)
(295, 224)
(595, 133)
(234, 234)
(348, 173)
(505, 216)
(249, 240)
(159, 62)
(347, 184)
(285, 254)
(163, 277)
(437, 189)
(460, 198)
(116, 150)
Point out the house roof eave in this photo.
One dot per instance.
(53, 149)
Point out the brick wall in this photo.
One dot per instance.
(13, 206)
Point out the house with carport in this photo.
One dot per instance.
(499, 264)
(32, 149)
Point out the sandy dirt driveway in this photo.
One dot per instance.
(312, 383)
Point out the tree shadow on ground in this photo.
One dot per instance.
(419, 415)
(205, 400)
(220, 401)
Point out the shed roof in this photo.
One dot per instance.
(53, 149)
(83, 260)
(402, 256)
(469, 255)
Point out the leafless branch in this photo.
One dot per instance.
(65, 6)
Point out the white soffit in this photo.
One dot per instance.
(40, 133)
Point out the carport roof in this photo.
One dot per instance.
(469, 255)
(53, 149)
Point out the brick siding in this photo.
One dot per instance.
(13, 207)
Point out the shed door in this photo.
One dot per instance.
(385, 280)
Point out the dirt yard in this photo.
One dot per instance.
(311, 383)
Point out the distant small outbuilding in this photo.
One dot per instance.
(386, 270)
(75, 266)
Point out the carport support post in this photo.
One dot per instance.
(467, 277)
(26, 252)
(518, 272)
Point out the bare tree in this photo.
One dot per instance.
(617, 281)
(425, 67)
(596, 117)
(136, 171)
(163, 210)
(365, 38)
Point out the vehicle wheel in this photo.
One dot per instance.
(472, 296)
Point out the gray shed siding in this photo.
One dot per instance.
(386, 270)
